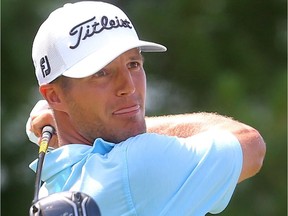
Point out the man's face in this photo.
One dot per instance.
(111, 103)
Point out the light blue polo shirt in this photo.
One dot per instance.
(150, 174)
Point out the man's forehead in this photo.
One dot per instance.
(134, 52)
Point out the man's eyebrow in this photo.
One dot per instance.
(137, 57)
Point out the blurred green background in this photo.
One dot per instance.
(223, 56)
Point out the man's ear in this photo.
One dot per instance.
(52, 94)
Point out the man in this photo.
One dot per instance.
(89, 67)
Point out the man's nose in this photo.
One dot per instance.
(125, 82)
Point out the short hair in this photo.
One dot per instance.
(63, 82)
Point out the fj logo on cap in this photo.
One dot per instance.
(91, 27)
(45, 66)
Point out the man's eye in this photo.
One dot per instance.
(100, 73)
(134, 65)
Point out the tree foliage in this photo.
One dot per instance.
(223, 56)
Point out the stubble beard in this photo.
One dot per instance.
(96, 130)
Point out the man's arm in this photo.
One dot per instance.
(186, 125)
(253, 145)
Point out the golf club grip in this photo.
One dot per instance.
(47, 133)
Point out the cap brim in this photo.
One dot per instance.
(97, 60)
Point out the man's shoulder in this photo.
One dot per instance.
(152, 137)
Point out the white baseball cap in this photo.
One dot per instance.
(79, 39)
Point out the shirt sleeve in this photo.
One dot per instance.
(191, 176)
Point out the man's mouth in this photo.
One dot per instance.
(127, 110)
